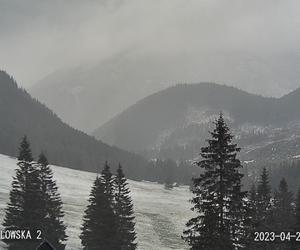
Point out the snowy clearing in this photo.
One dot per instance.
(160, 214)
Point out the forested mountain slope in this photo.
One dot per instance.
(22, 115)
(175, 122)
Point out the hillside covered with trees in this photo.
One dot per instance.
(22, 115)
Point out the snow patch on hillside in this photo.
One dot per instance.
(162, 137)
(204, 115)
(249, 128)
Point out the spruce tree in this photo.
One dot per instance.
(264, 201)
(99, 229)
(124, 212)
(53, 227)
(252, 218)
(108, 183)
(218, 199)
(282, 216)
(253, 203)
(24, 210)
(263, 219)
(283, 211)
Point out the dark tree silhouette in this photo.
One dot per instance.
(124, 212)
(24, 210)
(99, 229)
(264, 208)
(283, 211)
(252, 217)
(108, 182)
(52, 225)
(218, 199)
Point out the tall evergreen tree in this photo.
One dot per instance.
(264, 201)
(260, 218)
(124, 212)
(283, 211)
(52, 225)
(282, 214)
(252, 218)
(99, 229)
(108, 183)
(24, 209)
(253, 203)
(218, 198)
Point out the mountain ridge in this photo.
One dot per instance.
(168, 110)
(23, 115)
(112, 84)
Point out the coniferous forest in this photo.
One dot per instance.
(35, 205)
(34, 202)
(230, 217)
(227, 215)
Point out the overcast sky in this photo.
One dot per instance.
(39, 37)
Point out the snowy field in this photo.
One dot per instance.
(160, 214)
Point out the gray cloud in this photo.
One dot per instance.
(230, 40)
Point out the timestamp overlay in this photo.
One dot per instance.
(276, 237)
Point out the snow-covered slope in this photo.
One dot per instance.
(160, 214)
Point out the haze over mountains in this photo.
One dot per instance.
(252, 45)
(177, 119)
(106, 55)
(88, 96)
(109, 87)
